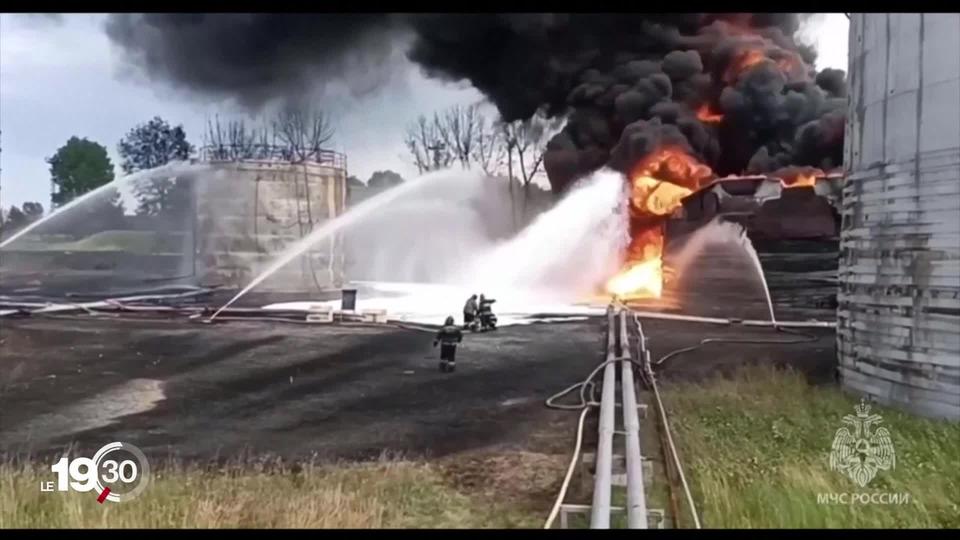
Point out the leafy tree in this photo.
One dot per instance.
(15, 220)
(353, 181)
(384, 180)
(153, 144)
(18, 218)
(33, 211)
(148, 146)
(80, 166)
(77, 167)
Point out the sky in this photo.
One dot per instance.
(63, 78)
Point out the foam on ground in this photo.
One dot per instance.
(431, 304)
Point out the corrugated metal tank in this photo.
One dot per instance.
(898, 329)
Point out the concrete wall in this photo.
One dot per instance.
(248, 212)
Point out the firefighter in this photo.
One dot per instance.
(448, 337)
(470, 311)
(488, 321)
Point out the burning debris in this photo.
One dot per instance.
(670, 100)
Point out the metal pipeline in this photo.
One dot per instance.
(600, 510)
(636, 496)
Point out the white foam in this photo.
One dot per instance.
(431, 304)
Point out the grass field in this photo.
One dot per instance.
(389, 494)
(756, 448)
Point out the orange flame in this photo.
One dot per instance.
(745, 60)
(704, 114)
(795, 177)
(789, 63)
(657, 186)
(642, 276)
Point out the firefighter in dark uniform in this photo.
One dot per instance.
(448, 337)
(488, 321)
(470, 311)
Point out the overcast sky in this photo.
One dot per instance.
(60, 79)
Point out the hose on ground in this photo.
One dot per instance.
(805, 338)
(573, 465)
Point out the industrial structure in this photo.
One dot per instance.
(249, 210)
(765, 207)
(898, 320)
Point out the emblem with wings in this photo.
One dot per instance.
(863, 452)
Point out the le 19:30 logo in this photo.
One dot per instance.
(118, 472)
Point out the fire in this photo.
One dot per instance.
(745, 60)
(643, 279)
(657, 186)
(794, 177)
(642, 276)
(788, 62)
(704, 114)
(651, 196)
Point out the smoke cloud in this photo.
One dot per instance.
(257, 58)
(735, 90)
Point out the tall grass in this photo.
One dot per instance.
(757, 446)
(389, 494)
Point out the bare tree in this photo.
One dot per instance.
(426, 145)
(302, 133)
(236, 141)
(488, 152)
(458, 129)
(525, 142)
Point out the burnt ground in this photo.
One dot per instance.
(298, 390)
(199, 392)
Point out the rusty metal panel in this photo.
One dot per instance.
(898, 316)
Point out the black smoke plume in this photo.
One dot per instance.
(258, 58)
(625, 82)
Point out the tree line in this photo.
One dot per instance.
(460, 136)
(464, 136)
(82, 165)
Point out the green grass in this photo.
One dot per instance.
(756, 447)
(388, 494)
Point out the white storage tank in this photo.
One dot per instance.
(249, 211)
(898, 329)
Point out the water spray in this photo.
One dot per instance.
(371, 206)
(170, 170)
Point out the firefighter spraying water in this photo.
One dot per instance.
(488, 321)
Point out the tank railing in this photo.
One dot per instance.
(272, 153)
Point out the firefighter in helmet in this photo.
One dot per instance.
(448, 337)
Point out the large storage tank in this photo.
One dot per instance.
(898, 331)
(248, 211)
